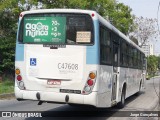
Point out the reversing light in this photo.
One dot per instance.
(17, 71)
(21, 84)
(19, 78)
(92, 75)
(87, 89)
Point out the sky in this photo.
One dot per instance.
(145, 8)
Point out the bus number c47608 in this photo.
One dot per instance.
(69, 66)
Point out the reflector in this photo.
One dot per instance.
(87, 88)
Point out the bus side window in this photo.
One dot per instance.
(144, 63)
(105, 46)
(124, 54)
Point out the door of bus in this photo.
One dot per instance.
(115, 70)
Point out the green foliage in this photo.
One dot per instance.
(7, 86)
(118, 13)
(9, 16)
(152, 64)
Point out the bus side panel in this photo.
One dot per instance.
(103, 95)
(132, 78)
(105, 86)
(122, 79)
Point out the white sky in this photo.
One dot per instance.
(145, 8)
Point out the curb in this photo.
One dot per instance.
(7, 95)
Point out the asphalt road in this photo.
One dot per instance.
(146, 101)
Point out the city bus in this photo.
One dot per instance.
(75, 57)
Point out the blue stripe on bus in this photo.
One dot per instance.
(92, 53)
(19, 55)
(19, 52)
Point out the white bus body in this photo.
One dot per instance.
(71, 73)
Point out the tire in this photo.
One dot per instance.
(121, 104)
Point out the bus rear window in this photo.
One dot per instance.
(56, 29)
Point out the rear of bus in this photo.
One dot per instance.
(57, 56)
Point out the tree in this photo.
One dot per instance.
(145, 29)
(9, 13)
(122, 18)
(117, 13)
(8, 27)
(152, 64)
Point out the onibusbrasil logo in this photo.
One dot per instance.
(38, 29)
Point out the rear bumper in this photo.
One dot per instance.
(90, 99)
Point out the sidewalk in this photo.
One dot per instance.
(7, 96)
(148, 99)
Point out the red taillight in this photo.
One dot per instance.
(90, 82)
(19, 78)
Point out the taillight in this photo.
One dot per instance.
(89, 83)
(19, 79)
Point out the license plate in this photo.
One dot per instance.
(70, 91)
(54, 82)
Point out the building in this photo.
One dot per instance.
(148, 49)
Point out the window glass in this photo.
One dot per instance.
(105, 46)
(56, 29)
(124, 54)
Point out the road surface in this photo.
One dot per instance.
(146, 101)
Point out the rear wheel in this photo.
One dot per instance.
(121, 104)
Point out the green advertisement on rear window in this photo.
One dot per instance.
(44, 30)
